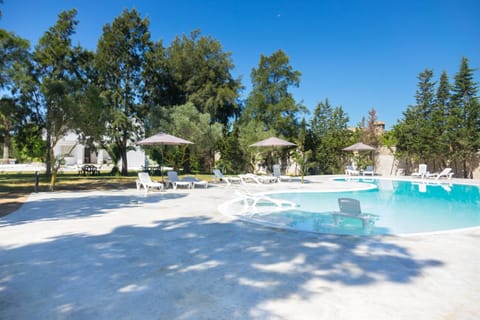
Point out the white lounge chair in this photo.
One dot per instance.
(196, 182)
(350, 208)
(218, 176)
(144, 181)
(174, 181)
(447, 173)
(422, 171)
(369, 171)
(277, 174)
(250, 177)
(351, 171)
(251, 200)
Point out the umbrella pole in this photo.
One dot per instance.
(273, 162)
(161, 162)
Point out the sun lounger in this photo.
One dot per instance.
(196, 182)
(251, 200)
(351, 171)
(446, 173)
(278, 175)
(250, 177)
(144, 181)
(174, 181)
(369, 171)
(422, 171)
(218, 176)
(350, 208)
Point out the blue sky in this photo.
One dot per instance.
(358, 54)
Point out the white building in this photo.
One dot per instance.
(75, 153)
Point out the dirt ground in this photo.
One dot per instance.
(10, 202)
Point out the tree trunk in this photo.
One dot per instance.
(53, 178)
(48, 157)
(124, 161)
(5, 151)
(6, 141)
(186, 162)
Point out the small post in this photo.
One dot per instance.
(37, 178)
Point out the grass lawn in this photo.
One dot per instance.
(15, 187)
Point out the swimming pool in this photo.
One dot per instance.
(403, 207)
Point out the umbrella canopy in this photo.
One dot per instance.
(163, 139)
(273, 142)
(359, 147)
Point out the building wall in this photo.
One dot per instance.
(75, 153)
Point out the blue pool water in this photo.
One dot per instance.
(403, 207)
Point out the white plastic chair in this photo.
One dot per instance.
(422, 171)
(277, 174)
(350, 208)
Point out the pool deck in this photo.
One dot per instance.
(172, 255)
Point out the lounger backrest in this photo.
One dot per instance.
(369, 168)
(173, 176)
(276, 170)
(349, 205)
(445, 171)
(422, 168)
(217, 173)
(144, 177)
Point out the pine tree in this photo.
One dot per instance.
(440, 121)
(466, 111)
(425, 103)
(330, 133)
(270, 101)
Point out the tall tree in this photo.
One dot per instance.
(200, 73)
(330, 133)
(414, 131)
(439, 120)
(425, 96)
(233, 157)
(58, 67)
(270, 101)
(14, 61)
(160, 89)
(189, 123)
(120, 62)
(466, 110)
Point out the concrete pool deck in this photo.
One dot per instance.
(171, 255)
